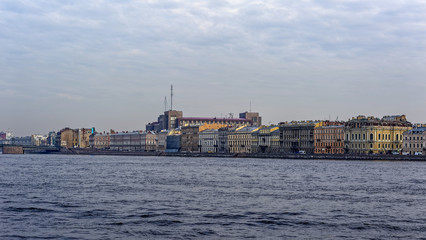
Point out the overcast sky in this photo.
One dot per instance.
(109, 64)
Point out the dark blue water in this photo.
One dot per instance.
(108, 197)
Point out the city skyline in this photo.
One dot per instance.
(109, 64)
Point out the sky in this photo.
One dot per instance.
(110, 64)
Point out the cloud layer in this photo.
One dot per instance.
(109, 64)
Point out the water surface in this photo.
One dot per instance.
(110, 197)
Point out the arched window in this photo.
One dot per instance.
(371, 137)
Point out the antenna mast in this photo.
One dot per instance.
(165, 103)
(171, 97)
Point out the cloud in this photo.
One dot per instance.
(117, 53)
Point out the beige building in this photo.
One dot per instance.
(99, 141)
(240, 141)
(414, 142)
(67, 138)
(370, 135)
(149, 141)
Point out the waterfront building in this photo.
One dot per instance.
(74, 138)
(83, 137)
(189, 139)
(100, 141)
(371, 135)
(126, 141)
(173, 141)
(67, 138)
(149, 141)
(161, 141)
(329, 138)
(223, 145)
(208, 140)
(414, 141)
(254, 117)
(266, 140)
(297, 137)
(240, 140)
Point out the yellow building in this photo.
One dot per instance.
(370, 135)
(240, 141)
(211, 126)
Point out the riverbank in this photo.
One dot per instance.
(351, 157)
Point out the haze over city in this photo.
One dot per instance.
(109, 64)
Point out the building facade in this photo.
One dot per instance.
(67, 138)
(371, 135)
(329, 138)
(222, 143)
(297, 137)
(100, 141)
(173, 142)
(266, 140)
(21, 141)
(161, 141)
(240, 140)
(150, 141)
(233, 122)
(414, 141)
(208, 140)
(189, 139)
(126, 141)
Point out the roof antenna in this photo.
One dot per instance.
(171, 98)
(165, 103)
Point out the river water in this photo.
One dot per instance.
(121, 197)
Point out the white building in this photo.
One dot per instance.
(208, 140)
(414, 141)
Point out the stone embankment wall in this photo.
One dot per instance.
(13, 150)
(352, 157)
